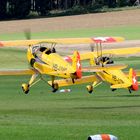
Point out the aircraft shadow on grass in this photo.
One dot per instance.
(130, 96)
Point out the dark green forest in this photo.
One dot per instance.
(23, 8)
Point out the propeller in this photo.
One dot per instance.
(92, 47)
(27, 33)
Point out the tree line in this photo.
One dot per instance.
(22, 8)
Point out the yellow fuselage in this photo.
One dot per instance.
(52, 64)
(114, 77)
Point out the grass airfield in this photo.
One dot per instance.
(128, 32)
(43, 115)
(73, 116)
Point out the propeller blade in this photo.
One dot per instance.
(27, 33)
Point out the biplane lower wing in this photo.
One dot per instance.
(68, 82)
(26, 72)
(17, 72)
(31, 72)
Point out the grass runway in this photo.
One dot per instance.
(43, 115)
(72, 116)
(128, 32)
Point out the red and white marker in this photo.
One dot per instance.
(102, 137)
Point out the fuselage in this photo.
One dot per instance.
(114, 77)
(56, 62)
(52, 63)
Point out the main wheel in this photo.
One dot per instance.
(55, 87)
(113, 89)
(90, 88)
(25, 88)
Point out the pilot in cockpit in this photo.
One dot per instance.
(47, 50)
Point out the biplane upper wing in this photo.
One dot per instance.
(60, 41)
(107, 39)
(17, 72)
(36, 41)
(122, 51)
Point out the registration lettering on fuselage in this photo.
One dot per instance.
(116, 79)
(60, 68)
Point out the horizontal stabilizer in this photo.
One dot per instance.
(106, 67)
(120, 86)
(68, 82)
(138, 73)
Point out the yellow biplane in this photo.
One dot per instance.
(44, 60)
(104, 69)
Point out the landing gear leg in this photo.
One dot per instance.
(129, 90)
(54, 85)
(89, 88)
(26, 87)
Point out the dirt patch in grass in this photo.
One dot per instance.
(100, 20)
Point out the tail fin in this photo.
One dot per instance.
(76, 64)
(133, 78)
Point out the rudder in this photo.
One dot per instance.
(76, 64)
(133, 79)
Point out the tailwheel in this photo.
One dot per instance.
(55, 87)
(25, 88)
(130, 91)
(90, 88)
